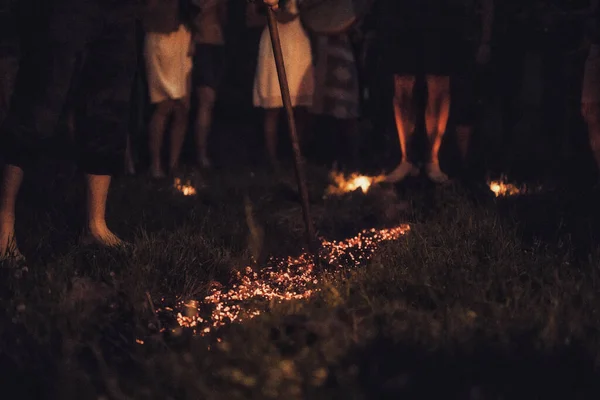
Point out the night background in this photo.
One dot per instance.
(484, 287)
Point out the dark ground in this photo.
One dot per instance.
(484, 299)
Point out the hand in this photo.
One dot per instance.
(483, 54)
(274, 4)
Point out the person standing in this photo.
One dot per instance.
(336, 97)
(590, 97)
(474, 53)
(169, 66)
(418, 37)
(105, 30)
(209, 56)
(297, 57)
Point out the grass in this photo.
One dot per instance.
(483, 299)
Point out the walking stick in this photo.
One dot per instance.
(287, 103)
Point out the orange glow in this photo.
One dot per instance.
(186, 189)
(502, 188)
(281, 280)
(342, 184)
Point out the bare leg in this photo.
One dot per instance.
(436, 119)
(271, 125)
(463, 136)
(11, 183)
(97, 192)
(301, 117)
(180, 124)
(591, 114)
(206, 99)
(129, 164)
(404, 113)
(157, 130)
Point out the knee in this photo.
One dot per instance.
(403, 87)
(207, 97)
(165, 107)
(438, 86)
(181, 106)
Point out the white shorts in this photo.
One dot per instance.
(168, 64)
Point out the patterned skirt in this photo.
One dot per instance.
(336, 78)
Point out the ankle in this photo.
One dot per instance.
(96, 225)
(7, 218)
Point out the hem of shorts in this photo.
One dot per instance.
(152, 101)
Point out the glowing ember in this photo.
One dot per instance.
(342, 184)
(282, 280)
(502, 188)
(187, 189)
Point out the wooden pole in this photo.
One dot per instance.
(287, 103)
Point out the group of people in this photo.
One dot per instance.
(184, 53)
(88, 47)
(184, 56)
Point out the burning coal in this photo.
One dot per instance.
(282, 280)
(185, 188)
(342, 184)
(502, 188)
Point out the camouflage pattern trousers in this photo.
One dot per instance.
(96, 39)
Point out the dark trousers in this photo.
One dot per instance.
(61, 32)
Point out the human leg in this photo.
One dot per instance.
(592, 118)
(40, 92)
(208, 71)
(271, 125)
(436, 119)
(405, 117)
(156, 132)
(104, 112)
(206, 102)
(180, 123)
(97, 194)
(11, 183)
(590, 101)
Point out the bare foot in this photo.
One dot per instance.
(100, 234)
(129, 167)
(401, 172)
(204, 162)
(435, 173)
(8, 243)
(157, 173)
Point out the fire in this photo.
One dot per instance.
(342, 184)
(282, 280)
(502, 188)
(186, 189)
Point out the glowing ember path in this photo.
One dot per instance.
(502, 188)
(185, 188)
(342, 184)
(282, 280)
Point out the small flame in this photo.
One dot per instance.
(186, 189)
(342, 184)
(502, 188)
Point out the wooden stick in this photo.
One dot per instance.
(287, 103)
